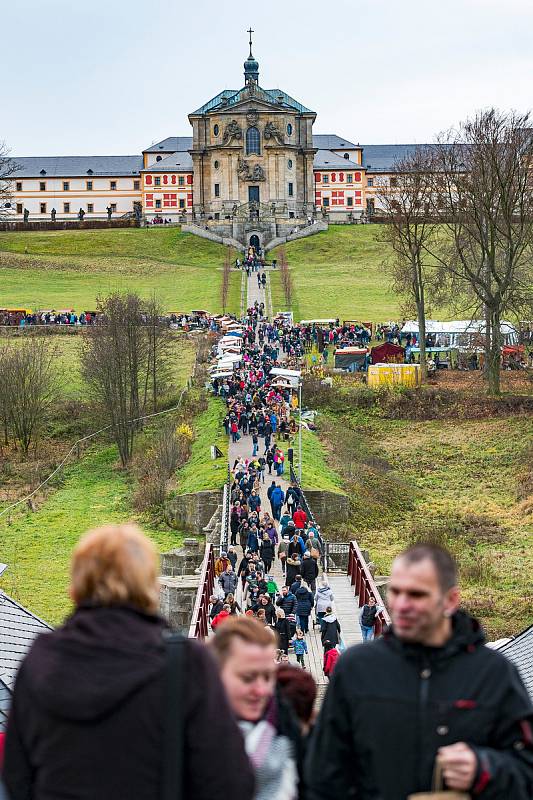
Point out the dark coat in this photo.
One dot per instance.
(270, 612)
(423, 698)
(331, 630)
(287, 603)
(309, 570)
(283, 630)
(267, 550)
(86, 719)
(304, 602)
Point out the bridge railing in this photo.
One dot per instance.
(307, 508)
(226, 510)
(364, 585)
(199, 627)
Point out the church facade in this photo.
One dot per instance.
(253, 151)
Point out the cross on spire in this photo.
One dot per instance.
(250, 31)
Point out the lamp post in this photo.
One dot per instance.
(300, 433)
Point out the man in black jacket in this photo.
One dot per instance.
(87, 718)
(427, 690)
(287, 601)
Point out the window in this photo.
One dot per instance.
(349, 201)
(19, 186)
(182, 203)
(216, 165)
(43, 208)
(349, 178)
(113, 185)
(89, 186)
(19, 208)
(289, 163)
(90, 208)
(157, 181)
(253, 141)
(181, 180)
(158, 203)
(216, 130)
(346, 155)
(113, 207)
(217, 189)
(394, 182)
(325, 201)
(42, 186)
(66, 208)
(289, 129)
(66, 186)
(370, 182)
(159, 158)
(291, 190)
(325, 178)
(136, 186)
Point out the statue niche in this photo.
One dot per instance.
(256, 173)
(232, 131)
(273, 132)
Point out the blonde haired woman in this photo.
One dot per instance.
(88, 713)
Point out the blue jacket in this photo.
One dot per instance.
(300, 646)
(277, 497)
(252, 543)
(304, 601)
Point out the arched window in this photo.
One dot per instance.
(253, 141)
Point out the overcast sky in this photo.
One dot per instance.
(88, 77)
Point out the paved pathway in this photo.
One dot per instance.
(345, 604)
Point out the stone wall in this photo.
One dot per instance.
(328, 508)
(177, 597)
(211, 235)
(309, 230)
(63, 225)
(192, 512)
(184, 560)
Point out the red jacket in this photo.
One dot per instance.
(330, 659)
(299, 518)
(220, 617)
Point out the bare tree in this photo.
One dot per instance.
(410, 232)
(125, 360)
(486, 203)
(29, 387)
(159, 345)
(7, 169)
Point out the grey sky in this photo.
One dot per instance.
(113, 76)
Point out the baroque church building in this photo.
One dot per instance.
(253, 167)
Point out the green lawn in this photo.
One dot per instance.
(338, 273)
(69, 269)
(459, 475)
(90, 492)
(201, 472)
(37, 546)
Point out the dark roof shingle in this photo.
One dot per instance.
(330, 141)
(326, 159)
(76, 166)
(18, 629)
(172, 144)
(520, 652)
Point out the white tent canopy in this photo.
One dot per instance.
(455, 330)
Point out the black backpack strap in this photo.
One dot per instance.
(174, 739)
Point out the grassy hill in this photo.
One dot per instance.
(93, 491)
(338, 273)
(64, 269)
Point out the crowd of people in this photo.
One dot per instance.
(269, 524)
(110, 704)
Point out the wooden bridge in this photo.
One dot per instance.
(351, 589)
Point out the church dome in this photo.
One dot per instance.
(251, 69)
